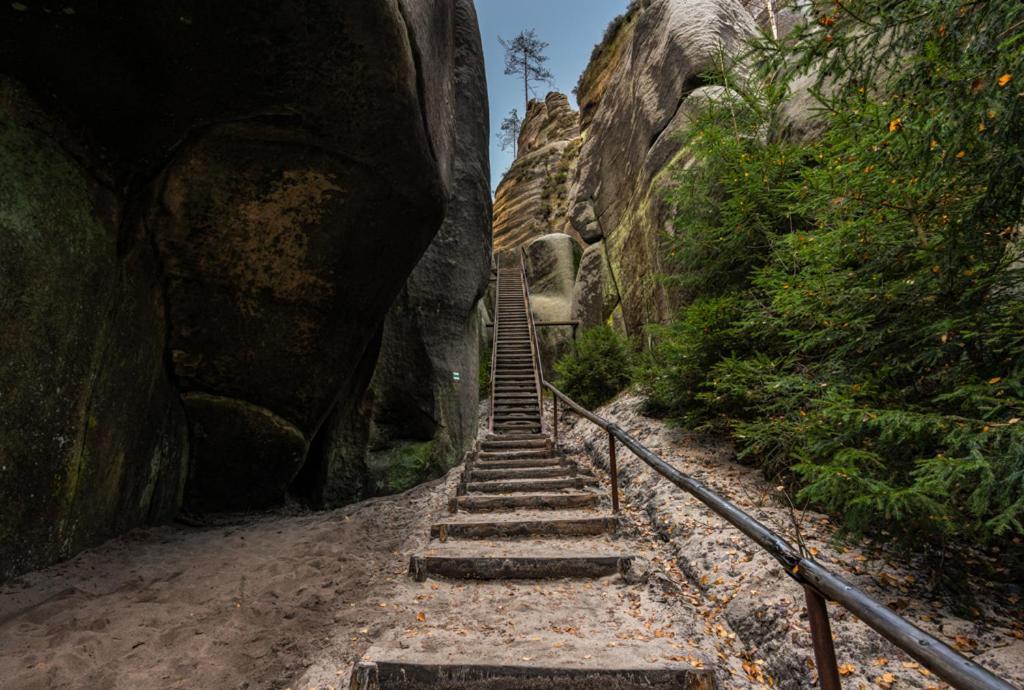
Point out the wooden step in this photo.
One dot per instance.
(506, 438)
(498, 502)
(485, 474)
(521, 463)
(514, 528)
(493, 442)
(507, 486)
(513, 453)
(517, 567)
(387, 674)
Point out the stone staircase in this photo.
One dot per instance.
(509, 524)
(523, 513)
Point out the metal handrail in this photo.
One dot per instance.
(538, 371)
(494, 344)
(819, 583)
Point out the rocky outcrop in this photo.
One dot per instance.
(210, 213)
(594, 295)
(638, 95)
(550, 262)
(645, 82)
(532, 198)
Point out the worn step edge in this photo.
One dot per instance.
(394, 675)
(497, 474)
(510, 454)
(522, 463)
(498, 502)
(516, 567)
(526, 485)
(571, 527)
(516, 443)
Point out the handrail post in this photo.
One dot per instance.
(821, 638)
(613, 470)
(554, 418)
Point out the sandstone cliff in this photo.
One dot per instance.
(532, 198)
(640, 97)
(645, 81)
(206, 216)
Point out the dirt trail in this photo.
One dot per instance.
(291, 601)
(246, 604)
(745, 590)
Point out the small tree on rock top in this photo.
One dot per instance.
(509, 134)
(524, 56)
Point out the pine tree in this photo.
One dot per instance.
(524, 56)
(509, 134)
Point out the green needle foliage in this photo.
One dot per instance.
(596, 369)
(855, 304)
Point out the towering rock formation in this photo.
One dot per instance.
(206, 214)
(644, 83)
(421, 406)
(532, 198)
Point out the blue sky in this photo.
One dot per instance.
(571, 27)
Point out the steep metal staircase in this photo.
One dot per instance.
(515, 382)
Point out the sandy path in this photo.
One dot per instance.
(248, 604)
(290, 601)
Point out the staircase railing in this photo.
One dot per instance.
(538, 370)
(494, 344)
(820, 584)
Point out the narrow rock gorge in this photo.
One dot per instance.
(228, 234)
(600, 175)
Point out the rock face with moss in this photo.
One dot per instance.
(425, 390)
(92, 434)
(635, 96)
(594, 294)
(206, 217)
(532, 198)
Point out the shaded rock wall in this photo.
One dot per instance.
(432, 332)
(594, 294)
(92, 434)
(208, 210)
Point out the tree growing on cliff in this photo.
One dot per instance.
(509, 134)
(524, 57)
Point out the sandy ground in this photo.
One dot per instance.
(250, 603)
(292, 600)
(745, 591)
